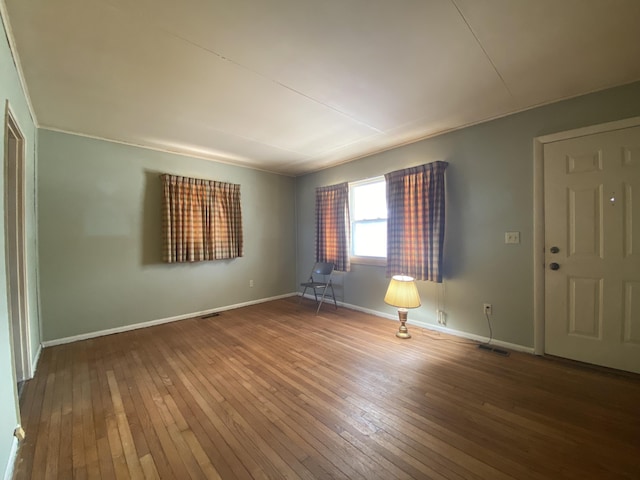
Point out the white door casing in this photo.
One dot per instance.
(15, 250)
(591, 216)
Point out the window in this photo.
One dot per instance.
(368, 207)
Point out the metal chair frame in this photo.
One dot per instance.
(325, 270)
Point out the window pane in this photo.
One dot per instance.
(370, 239)
(370, 201)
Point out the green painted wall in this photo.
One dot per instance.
(489, 191)
(11, 91)
(100, 237)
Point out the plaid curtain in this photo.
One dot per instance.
(333, 227)
(202, 219)
(415, 223)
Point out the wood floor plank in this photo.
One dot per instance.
(54, 414)
(336, 404)
(150, 398)
(31, 406)
(218, 451)
(100, 402)
(231, 431)
(150, 445)
(326, 440)
(273, 391)
(267, 439)
(286, 427)
(126, 439)
(79, 407)
(149, 467)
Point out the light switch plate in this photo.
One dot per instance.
(512, 237)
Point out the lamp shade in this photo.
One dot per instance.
(402, 292)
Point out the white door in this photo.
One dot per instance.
(592, 248)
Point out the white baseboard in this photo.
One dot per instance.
(11, 462)
(34, 362)
(151, 323)
(478, 338)
(439, 328)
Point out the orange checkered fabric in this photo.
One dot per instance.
(202, 219)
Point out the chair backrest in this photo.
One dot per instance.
(324, 269)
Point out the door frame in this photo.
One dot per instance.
(24, 370)
(538, 216)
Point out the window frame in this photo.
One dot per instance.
(359, 259)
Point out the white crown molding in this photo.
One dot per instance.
(590, 130)
(16, 60)
(182, 153)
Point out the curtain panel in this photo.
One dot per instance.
(202, 220)
(415, 223)
(333, 226)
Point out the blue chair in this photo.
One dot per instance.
(320, 282)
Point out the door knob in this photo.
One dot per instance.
(554, 249)
(554, 266)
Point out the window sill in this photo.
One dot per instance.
(377, 261)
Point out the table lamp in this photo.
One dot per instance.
(402, 293)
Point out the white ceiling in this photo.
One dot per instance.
(292, 86)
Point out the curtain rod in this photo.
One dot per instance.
(196, 178)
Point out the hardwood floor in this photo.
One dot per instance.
(273, 391)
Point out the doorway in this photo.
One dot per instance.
(14, 198)
(587, 245)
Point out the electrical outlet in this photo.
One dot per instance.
(442, 317)
(512, 237)
(250, 283)
(487, 308)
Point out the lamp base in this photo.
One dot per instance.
(403, 332)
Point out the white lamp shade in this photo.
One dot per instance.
(402, 292)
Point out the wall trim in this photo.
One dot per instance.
(214, 158)
(177, 151)
(11, 462)
(10, 119)
(34, 362)
(429, 326)
(590, 130)
(538, 214)
(4, 14)
(151, 323)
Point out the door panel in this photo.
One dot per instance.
(632, 312)
(585, 221)
(592, 205)
(585, 307)
(585, 162)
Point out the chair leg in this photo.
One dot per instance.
(324, 292)
(302, 296)
(333, 294)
